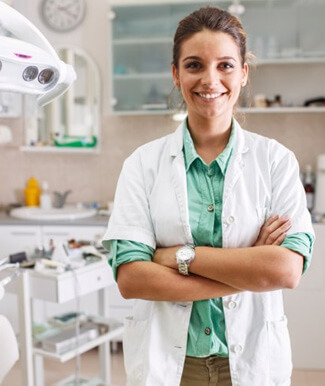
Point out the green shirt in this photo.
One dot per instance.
(206, 334)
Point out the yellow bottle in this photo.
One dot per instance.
(32, 192)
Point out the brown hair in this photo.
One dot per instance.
(214, 19)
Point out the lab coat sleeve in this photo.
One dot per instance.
(288, 194)
(131, 219)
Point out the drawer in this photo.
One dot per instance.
(69, 285)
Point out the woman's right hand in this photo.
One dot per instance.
(273, 231)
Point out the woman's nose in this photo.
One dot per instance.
(210, 78)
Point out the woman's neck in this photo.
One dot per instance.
(210, 137)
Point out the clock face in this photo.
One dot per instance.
(63, 15)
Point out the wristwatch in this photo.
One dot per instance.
(184, 256)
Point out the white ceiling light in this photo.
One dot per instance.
(236, 8)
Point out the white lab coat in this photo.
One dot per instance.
(151, 207)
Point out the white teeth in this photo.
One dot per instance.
(209, 96)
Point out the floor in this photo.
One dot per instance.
(55, 372)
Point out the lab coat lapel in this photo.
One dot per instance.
(179, 181)
(236, 165)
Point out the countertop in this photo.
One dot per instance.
(98, 220)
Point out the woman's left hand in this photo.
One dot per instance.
(166, 256)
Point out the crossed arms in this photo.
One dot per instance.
(216, 272)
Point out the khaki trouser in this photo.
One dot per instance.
(211, 371)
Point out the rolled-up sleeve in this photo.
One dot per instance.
(125, 251)
(301, 243)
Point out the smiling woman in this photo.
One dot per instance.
(210, 74)
(209, 224)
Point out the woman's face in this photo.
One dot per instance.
(210, 74)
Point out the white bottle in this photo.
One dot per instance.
(45, 198)
(320, 186)
(309, 188)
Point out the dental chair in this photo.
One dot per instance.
(8, 343)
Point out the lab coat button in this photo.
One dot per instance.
(210, 208)
(207, 331)
(238, 349)
(232, 305)
(230, 220)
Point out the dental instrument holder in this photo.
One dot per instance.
(60, 198)
(23, 29)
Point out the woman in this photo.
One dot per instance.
(213, 312)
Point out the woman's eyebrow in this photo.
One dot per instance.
(199, 58)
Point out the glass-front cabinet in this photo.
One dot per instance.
(284, 35)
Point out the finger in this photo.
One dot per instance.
(280, 239)
(270, 220)
(278, 232)
(277, 224)
(263, 234)
(269, 226)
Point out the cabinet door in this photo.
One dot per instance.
(64, 233)
(304, 307)
(19, 239)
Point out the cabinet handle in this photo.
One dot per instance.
(56, 234)
(23, 233)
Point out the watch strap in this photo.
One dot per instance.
(183, 268)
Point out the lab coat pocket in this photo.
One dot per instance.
(279, 352)
(134, 340)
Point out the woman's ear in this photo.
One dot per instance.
(245, 74)
(175, 76)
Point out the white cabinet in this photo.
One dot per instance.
(289, 50)
(19, 238)
(304, 307)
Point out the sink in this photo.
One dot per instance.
(66, 213)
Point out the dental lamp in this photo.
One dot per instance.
(28, 62)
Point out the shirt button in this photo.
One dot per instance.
(230, 220)
(210, 208)
(232, 305)
(210, 172)
(238, 349)
(207, 331)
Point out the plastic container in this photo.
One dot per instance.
(32, 192)
(45, 198)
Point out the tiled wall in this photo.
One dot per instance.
(94, 177)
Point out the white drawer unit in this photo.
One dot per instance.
(67, 286)
(17, 238)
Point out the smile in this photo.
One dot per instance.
(209, 96)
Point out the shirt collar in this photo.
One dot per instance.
(190, 154)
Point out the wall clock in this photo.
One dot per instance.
(63, 15)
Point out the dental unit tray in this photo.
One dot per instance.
(28, 62)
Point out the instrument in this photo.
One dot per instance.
(28, 62)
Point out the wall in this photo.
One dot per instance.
(94, 177)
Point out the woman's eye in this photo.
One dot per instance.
(226, 66)
(193, 65)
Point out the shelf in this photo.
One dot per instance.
(134, 41)
(280, 110)
(137, 76)
(55, 149)
(118, 331)
(291, 60)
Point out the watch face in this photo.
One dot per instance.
(63, 15)
(185, 254)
